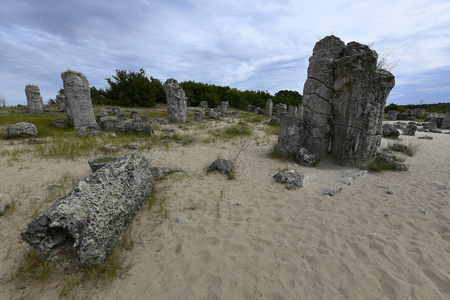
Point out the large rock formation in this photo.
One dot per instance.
(34, 99)
(92, 218)
(78, 106)
(61, 102)
(344, 99)
(176, 101)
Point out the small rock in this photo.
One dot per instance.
(235, 204)
(107, 148)
(35, 141)
(224, 166)
(3, 209)
(332, 191)
(53, 186)
(179, 220)
(292, 179)
(133, 146)
(389, 192)
(425, 137)
(422, 211)
(113, 135)
(354, 174)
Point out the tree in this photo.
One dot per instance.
(2, 101)
(129, 88)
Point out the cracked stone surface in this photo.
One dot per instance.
(343, 102)
(176, 101)
(78, 104)
(34, 99)
(92, 218)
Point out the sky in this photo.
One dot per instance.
(249, 45)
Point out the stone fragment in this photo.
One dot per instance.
(281, 109)
(429, 125)
(20, 130)
(91, 219)
(100, 161)
(425, 137)
(34, 99)
(410, 129)
(290, 109)
(435, 119)
(295, 110)
(107, 148)
(300, 110)
(389, 130)
(332, 191)
(269, 107)
(121, 116)
(108, 123)
(212, 114)
(419, 112)
(35, 141)
(136, 128)
(390, 159)
(292, 179)
(91, 131)
(176, 101)
(198, 115)
(305, 158)
(61, 123)
(161, 172)
(274, 121)
(78, 99)
(3, 209)
(203, 104)
(224, 166)
(116, 110)
(398, 147)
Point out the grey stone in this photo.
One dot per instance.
(392, 115)
(116, 110)
(435, 119)
(107, 148)
(3, 209)
(290, 136)
(92, 218)
(224, 107)
(389, 130)
(20, 130)
(410, 129)
(136, 128)
(429, 125)
(101, 115)
(250, 108)
(161, 172)
(290, 109)
(78, 99)
(198, 115)
(274, 121)
(419, 112)
(91, 131)
(389, 158)
(61, 123)
(176, 101)
(35, 141)
(212, 114)
(446, 121)
(344, 99)
(133, 146)
(354, 174)
(425, 137)
(108, 123)
(34, 99)
(134, 115)
(269, 107)
(203, 104)
(398, 147)
(305, 158)
(143, 119)
(300, 110)
(61, 102)
(332, 191)
(295, 110)
(121, 116)
(292, 179)
(281, 109)
(224, 166)
(100, 161)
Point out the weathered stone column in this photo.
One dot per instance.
(343, 99)
(176, 101)
(78, 99)
(269, 107)
(295, 110)
(92, 218)
(224, 107)
(34, 99)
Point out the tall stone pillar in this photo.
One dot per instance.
(269, 107)
(78, 100)
(176, 101)
(34, 99)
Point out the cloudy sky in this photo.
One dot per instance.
(251, 45)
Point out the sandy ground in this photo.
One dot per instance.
(250, 238)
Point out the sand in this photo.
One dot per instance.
(250, 238)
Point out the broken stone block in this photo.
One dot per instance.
(20, 130)
(91, 219)
(292, 179)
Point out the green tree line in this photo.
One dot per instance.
(136, 89)
(431, 108)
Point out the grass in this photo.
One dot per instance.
(273, 153)
(379, 165)
(411, 149)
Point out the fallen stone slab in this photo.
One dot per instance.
(161, 172)
(100, 161)
(136, 128)
(292, 179)
(91, 219)
(425, 137)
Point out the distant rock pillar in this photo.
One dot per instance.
(224, 107)
(269, 107)
(295, 110)
(290, 109)
(34, 99)
(176, 101)
(61, 102)
(78, 100)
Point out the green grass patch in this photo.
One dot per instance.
(380, 164)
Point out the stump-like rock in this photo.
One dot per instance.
(410, 129)
(61, 123)
(20, 130)
(92, 218)
(390, 130)
(78, 106)
(446, 121)
(176, 101)
(269, 107)
(34, 99)
(224, 107)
